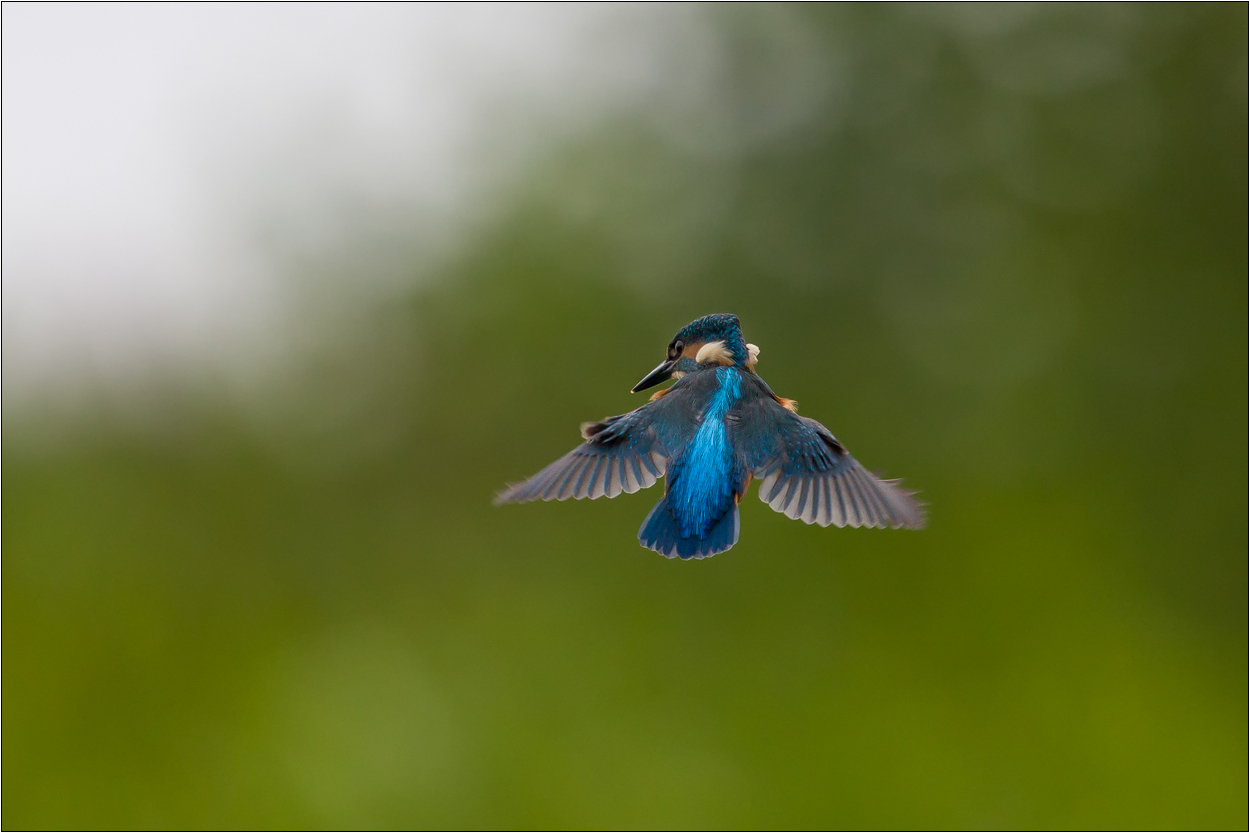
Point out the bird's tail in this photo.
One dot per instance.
(662, 532)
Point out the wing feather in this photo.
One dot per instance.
(880, 507)
(875, 515)
(807, 475)
(621, 454)
(593, 487)
(825, 516)
(813, 511)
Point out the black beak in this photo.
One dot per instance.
(655, 377)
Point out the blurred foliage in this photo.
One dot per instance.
(1000, 251)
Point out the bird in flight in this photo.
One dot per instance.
(717, 427)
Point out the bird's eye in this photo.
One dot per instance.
(677, 347)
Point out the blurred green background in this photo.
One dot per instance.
(999, 252)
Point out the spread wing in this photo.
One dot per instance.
(621, 454)
(807, 475)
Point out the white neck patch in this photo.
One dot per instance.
(714, 351)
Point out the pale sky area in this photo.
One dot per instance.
(157, 159)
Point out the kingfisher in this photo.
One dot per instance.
(708, 435)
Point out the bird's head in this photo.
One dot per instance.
(705, 342)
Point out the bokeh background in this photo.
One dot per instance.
(289, 292)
